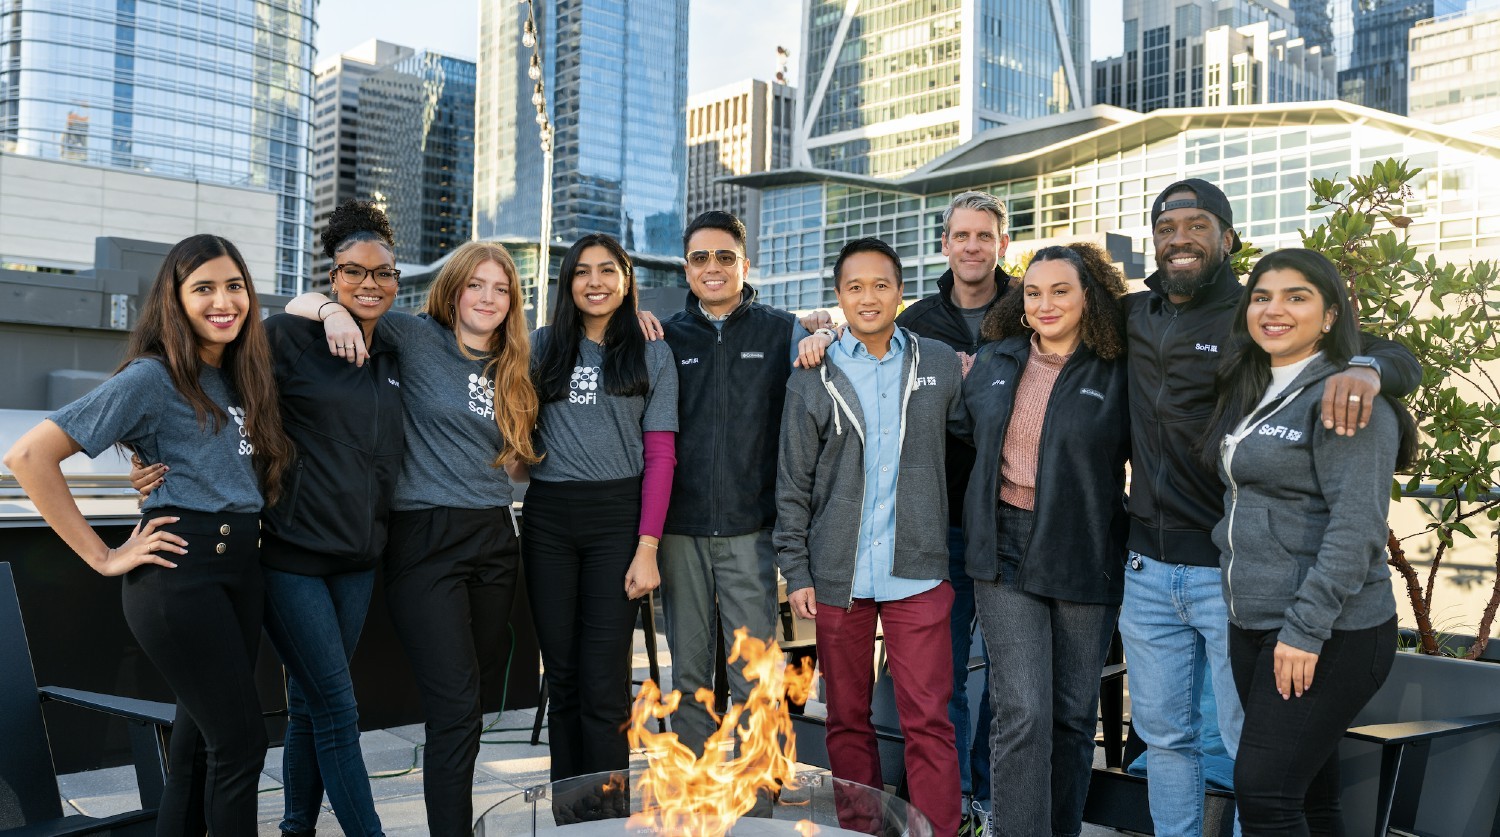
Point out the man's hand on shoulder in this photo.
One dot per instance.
(1349, 398)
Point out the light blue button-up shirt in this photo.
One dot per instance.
(878, 383)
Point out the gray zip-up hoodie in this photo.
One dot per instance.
(820, 478)
(1302, 542)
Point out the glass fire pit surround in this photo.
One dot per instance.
(601, 806)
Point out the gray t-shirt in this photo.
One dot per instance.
(139, 407)
(593, 436)
(974, 319)
(449, 418)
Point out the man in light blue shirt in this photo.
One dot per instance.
(862, 530)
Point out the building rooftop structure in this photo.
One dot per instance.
(1095, 171)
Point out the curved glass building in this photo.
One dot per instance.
(214, 90)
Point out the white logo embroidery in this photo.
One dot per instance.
(1094, 392)
(928, 381)
(998, 383)
(1207, 347)
(481, 396)
(393, 382)
(1281, 432)
(685, 361)
(752, 355)
(238, 414)
(584, 385)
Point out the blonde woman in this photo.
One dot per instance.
(451, 562)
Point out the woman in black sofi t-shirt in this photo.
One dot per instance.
(195, 388)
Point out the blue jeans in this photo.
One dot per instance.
(973, 749)
(314, 623)
(1174, 619)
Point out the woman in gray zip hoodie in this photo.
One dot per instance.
(1302, 542)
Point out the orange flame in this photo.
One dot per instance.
(703, 796)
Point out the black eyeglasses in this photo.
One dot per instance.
(354, 274)
(725, 258)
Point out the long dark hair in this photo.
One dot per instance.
(625, 372)
(1245, 372)
(1102, 328)
(164, 332)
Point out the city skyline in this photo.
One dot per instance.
(712, 62)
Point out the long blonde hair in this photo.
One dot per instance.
(509, 350)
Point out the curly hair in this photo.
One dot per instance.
(353, 222)
(1103, 326)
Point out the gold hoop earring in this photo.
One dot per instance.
(1025, 324)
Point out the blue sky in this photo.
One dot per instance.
(729, 40)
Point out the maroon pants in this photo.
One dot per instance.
(915, 631)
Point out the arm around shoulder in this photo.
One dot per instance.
(1400, 373)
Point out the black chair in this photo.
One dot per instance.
(30, 802)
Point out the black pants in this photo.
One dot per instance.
(200, 626)
(579, 540)
(450, 580)
(1286, 775)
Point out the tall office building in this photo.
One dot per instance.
(335, 142)
(1197, 53)
(1370, 43)
(888, 85)
(416, 151)
(616, 82)
(1455, 67)
(737, 129)
(217, 90)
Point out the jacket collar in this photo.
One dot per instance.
(1222, 286)
(945, 286)
(694, 306)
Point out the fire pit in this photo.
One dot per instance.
(599, 806)
(744, 784)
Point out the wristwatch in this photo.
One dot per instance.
(1365, 361)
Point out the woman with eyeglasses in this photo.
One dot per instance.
(1312, 619)
(323, 538)
(451, 565)
(597, 500)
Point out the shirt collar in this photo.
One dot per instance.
(854, 348)
(711, 317)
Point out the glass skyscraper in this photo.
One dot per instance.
(1370, 43)
(416, 151)
(888, 85)
(214, 90)
(616, 80)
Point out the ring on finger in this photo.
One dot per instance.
(1354, 399)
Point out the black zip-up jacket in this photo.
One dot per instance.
(937, 318)
(731, 385)
(345, 422)
(1076, 551)
(1175, 502)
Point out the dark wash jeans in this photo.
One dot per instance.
(314, 623)
(1286, 777)
(1047, 654)
(973, 755)
(450, 580)
(577, 545)
(199, 624)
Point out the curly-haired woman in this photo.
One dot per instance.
(1044, 518)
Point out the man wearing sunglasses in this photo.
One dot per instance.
(718, 567)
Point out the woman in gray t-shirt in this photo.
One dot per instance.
(452, 558)
(597, 499)
(196, 389)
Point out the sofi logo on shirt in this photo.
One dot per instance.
(238, 414)
(583, 387)
(481, 396)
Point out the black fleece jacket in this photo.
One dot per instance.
(345, 422)
(1175, 502)
(937, 318)
(731, 384)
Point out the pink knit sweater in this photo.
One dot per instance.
(1023, 438)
